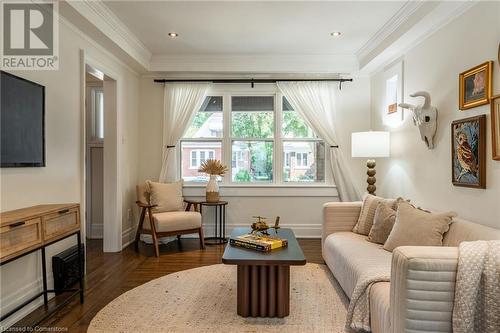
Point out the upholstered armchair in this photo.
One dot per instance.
(164, 224)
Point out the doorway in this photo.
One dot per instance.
(94, 152)
(101, 154)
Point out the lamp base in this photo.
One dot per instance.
(371, 188)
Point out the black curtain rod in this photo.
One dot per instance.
(251, 81)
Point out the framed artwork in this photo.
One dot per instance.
(468, 152)
(495, 127)
(475, 86)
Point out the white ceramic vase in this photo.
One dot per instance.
(212, 194)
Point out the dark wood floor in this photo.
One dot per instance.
(111, 274)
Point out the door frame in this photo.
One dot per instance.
(112, 233)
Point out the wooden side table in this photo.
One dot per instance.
(219, 222)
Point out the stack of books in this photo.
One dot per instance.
(258, 242)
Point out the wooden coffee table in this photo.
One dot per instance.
(264, 278)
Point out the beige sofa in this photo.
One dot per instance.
(420, 296)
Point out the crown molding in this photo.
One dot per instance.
(257, 63)
(429, 19)
(395, 22)
(98, 14)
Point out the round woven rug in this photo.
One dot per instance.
(204, 300)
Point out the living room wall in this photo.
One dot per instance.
(299, 208)
(423, 175)
(61, 180)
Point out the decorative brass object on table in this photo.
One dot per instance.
(261, 226)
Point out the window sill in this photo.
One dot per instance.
(265, 190)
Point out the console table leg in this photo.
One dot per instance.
(80, 272)
(44, 277)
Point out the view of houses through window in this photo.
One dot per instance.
(255, 151)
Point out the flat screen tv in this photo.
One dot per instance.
(22, 122)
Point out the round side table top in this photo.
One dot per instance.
(218, 203)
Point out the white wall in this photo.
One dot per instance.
(302, 210)
(423, 175)
(62, 179)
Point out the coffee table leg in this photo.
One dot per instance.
(263, 291)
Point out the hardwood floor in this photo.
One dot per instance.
(111, 274)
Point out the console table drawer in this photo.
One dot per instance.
(19, 236)
(61, 222)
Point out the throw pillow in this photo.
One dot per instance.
(384, 219)
(365, 220)
(167, 197)
(417, 227)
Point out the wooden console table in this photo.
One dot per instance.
(24, 231)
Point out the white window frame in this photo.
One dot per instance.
(229, 90)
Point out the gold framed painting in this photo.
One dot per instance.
(468, 152)
(475, 86)
(495, 127)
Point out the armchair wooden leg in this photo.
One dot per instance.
(153, 233)
(139, 228)
(202, 239)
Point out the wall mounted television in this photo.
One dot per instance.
(22, 122)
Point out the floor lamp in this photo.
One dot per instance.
(370, 145)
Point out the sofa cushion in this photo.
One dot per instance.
(384, 219)
(365, 220)
(174, 221)
(380, 300)
(349, 255)
(417, 227)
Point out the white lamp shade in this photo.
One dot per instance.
(370, 144)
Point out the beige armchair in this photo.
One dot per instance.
(166, 224)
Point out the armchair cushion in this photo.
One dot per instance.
(166, 197)
(175, 221)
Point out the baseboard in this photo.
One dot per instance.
(19, 296)
(128, 237)
(300, 230)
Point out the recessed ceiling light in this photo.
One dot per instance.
(173, 34)
(336, 33)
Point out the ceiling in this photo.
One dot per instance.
(266, 37)
(254, 27)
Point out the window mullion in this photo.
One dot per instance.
(226, 141)
(278, 143)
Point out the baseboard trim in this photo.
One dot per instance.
(19, 296)
(128, 236)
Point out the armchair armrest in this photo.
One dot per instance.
(144, 205)
(423, 288)
(339, 216)
(192, 203)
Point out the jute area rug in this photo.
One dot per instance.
(204, 300)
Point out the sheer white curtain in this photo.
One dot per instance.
(180, 104)
(315, 102)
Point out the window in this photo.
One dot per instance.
(200, 156)
(262, 142)
(252, 129)
(304, 152)
(97, 113)
(203, 139)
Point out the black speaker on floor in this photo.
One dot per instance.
(65, 268)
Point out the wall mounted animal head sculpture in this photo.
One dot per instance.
(425, 117)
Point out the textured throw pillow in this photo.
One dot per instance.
(384, 219)
(417, 227)
(167, 197)
(365, 220)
